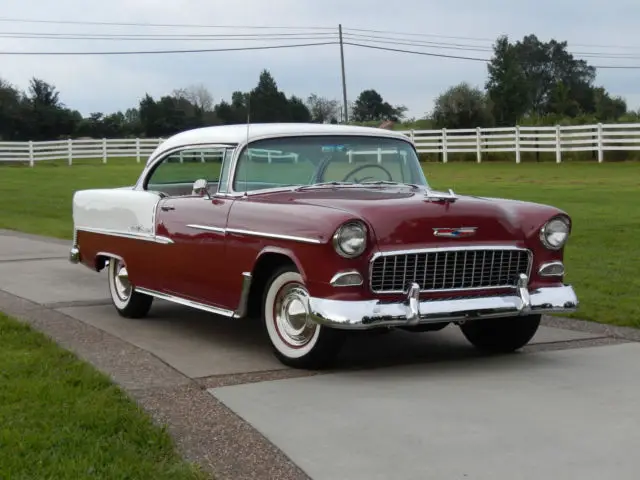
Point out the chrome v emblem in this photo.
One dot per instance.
(460, 232)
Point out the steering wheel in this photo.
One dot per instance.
(362, 167)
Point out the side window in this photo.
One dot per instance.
(177, 172)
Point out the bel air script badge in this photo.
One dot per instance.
(455, 232)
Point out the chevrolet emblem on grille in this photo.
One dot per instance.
(455, 232)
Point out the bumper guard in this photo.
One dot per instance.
(412, 311)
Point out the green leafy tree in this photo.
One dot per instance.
(531, 78)
(462, 106)
(322, 109)
(267, 103)
(370, 106)
(506, 85)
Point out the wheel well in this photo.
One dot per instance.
(101, 262)
(262, 271)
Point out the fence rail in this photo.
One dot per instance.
(598, 138)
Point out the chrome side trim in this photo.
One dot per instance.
(368, 314)
(208, 228)
(243, 304)
(131, 235)
(543, 270)
(224, 231)
(280, 236)
(188, 303)
(253, 233)
(446, 249)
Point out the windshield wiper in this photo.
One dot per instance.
(388, 182)
(324, 184)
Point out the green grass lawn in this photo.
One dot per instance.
(603, 200)
(61, 419)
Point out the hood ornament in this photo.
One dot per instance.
(460, 232)
(433, 196)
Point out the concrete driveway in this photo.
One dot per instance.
(399, 405)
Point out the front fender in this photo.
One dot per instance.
(286, 252)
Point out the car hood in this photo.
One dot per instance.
(403, 216)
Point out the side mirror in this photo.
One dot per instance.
(201, 188)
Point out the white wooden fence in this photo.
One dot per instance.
(598, 138)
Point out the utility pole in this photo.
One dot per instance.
(344, 80)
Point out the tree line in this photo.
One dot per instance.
(529, 82)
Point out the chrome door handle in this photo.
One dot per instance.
(166, 208)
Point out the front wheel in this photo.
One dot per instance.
(501, 335)
(128, 302)
(297, 341)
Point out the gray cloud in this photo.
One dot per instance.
(109, 83)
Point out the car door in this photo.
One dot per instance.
(194, 221)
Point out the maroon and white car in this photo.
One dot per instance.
(318, 230)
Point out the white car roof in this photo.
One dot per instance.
(237, 134)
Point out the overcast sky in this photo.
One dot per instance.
(110, 83)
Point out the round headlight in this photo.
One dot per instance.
(350, 240)
(555, 232)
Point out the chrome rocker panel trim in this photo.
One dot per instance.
(367, 314)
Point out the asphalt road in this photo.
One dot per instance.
(402, 406)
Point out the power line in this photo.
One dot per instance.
(377, 39)
(152, 36)
(480, 39)
(207, 38)
(630, 67)
(393, 41)
(431, 35)
(152, 52)
(285, 27)
(428, 54)
(177, 25)
(439, 45)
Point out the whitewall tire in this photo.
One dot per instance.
(296, 340)
(126, 300)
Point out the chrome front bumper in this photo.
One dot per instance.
(368, 314)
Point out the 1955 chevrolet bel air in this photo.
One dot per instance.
(317, 230)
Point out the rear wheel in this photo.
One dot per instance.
(296, 340)
(128, 302)
(501, 335)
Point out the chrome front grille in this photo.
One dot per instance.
(449, 269)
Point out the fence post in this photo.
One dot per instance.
(412, 135)
(517, 143)
(69, 151)
(444, 145)
(558, 145)
(137, 150)
(104, 150)
(478, 145)
(31, 156)
(600, 144)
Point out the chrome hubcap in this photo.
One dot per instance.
(291, 313)
(121, 280)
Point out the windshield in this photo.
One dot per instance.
(307, 160)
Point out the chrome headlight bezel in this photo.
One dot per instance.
(560, 224)
(340, 238)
